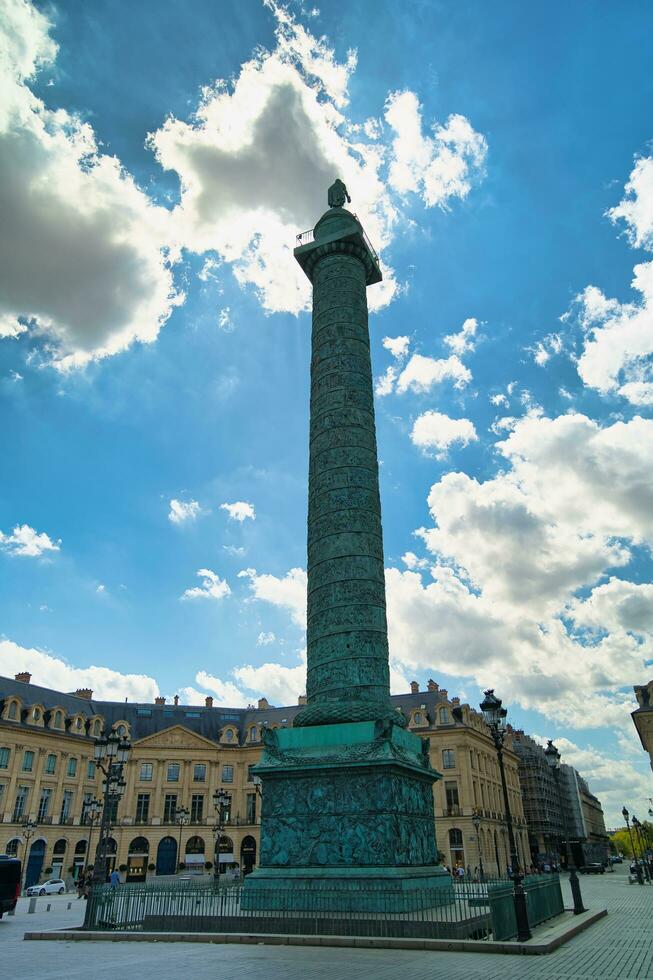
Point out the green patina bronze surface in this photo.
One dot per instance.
(347, 800)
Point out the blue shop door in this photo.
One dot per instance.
(35, 863)
(166, 856)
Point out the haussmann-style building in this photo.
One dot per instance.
(183, 753)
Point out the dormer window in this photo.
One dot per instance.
(36, 714)
(229, 735)
(96, 727)
(58, 719)
(13, 711)
(417, 718)
(253, 734)
(444, 716)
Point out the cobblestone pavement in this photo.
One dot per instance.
(619, 947)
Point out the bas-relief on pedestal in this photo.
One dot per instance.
(347, 793)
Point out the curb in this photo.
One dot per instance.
(358, 942)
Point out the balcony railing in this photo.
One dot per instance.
(305, 237)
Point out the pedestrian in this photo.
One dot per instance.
(79, 884)
(114, 878)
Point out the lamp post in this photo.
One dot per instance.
(92, 812)
(182, 817)
(638, 869)
(476, 820)
(221, 800)
(495, 715)
(553, 759)
(638, 833)
(111, 752)
(27, 832)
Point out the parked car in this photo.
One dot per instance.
(617, 859)
(592, 869)
(53, 886)
(10, 873)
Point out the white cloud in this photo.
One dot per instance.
(50, 671)
(25, 541)
(500, 400)
(385, 384)
(510, 555)
(87, 268)
(224, 319)
(436, 431)
(422, 373)
(233, 550)
(101, 589)
(181, 511)
(617, 354)
(464, 341)
(288, 592)
(398, 346)
(436, 167)
(264, 639)
(256, 159)
(412, 562)
(226, 693)
(281, 685)
(544, 349)
(213, 587)
(239, 511)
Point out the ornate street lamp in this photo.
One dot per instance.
(476, 820)
(27, 832)
(92, 812)
(638, 869)
(638, 833)
(553, 759)
(495, 718)
(182, 817)
(221, 800)
(111, 752)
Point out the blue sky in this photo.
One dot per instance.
(154, 347)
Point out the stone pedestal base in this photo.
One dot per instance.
(347, 821)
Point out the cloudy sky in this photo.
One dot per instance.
(157, 162)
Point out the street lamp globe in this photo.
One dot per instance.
(491, 708)
(100, 748)
(552, 755)
(625, 814)
(220, 798)
(123, 750)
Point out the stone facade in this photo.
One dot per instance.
(643, 717)
(218, 748)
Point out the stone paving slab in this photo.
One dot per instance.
(618, 947)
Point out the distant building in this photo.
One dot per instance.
(563, 817)
(643, 717)
(181, 754)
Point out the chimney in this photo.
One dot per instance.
(208, 701)
(263, 703)
(25, 677)
(84, 692)
(414, 687)
(176, 700)
(159, 700)
(432, 686)
(302, 699)
(455, 701)
(444, 693)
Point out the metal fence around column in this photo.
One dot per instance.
(460, 910)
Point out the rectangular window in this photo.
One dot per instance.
(199, 773)
(50, 765)
(66, 806)
(28, 760)
(147, 768)
(169, 807)
(72, 767)
(251, 808)
(173, 772)
(250, 773)
(113, 810)
(86, 802)
(90, 769)
(2, 793)
(142, 807)
(4, 758)
(193, 714)
(21, 802)
(453, 803)
(448, 759)
(227, 774)
(44, 805)
(196, 807)
(144, 712)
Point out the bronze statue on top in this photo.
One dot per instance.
(338, 194)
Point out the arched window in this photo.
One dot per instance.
(121, 730)
(139, 845)
(229, 735)
(80, 847)
(112, 847)
(195, 845)
(253, 734)
(36, 714)
(13, 711)
(78, 723)
(444, 716)
(417, 718)
(58, 719)
(96, 727)
(60, 846)
(12, 847)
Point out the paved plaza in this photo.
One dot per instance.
(619, 946)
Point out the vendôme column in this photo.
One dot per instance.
(347, 819)
(348, 676)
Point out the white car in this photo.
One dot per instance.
(53, 886)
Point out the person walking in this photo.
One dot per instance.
(114, 878)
